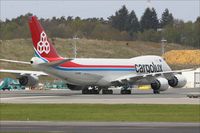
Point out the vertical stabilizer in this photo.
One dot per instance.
(42, 46)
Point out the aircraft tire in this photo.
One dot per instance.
(90, 91)
(93, 91)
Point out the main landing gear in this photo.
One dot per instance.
(96, 90)
(91, 90)
(126, 89)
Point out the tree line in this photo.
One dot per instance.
(123, 25)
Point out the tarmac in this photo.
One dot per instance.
(97, 127)
(171, 96)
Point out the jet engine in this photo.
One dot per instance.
(28, 80)
(177, 81)
(160, 84)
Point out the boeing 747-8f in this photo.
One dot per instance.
(94, 74)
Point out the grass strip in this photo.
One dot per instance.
(100, 112)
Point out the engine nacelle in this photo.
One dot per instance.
(160, 84)
(74, 87)
(177, 81)
(28, 80)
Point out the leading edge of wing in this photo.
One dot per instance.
(37, 73)
(134, 77)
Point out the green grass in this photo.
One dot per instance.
(100, 112)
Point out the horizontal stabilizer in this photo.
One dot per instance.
(55, 63)
(14, 61)
(21, 72)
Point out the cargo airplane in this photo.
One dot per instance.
(92, 75)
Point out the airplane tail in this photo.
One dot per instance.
(42, 46)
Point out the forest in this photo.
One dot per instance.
(123, 25)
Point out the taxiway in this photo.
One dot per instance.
(98, 127)
(171, 96)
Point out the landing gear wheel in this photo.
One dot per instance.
(125, 91)
(107, 91)
(156, 91)
(91, 91)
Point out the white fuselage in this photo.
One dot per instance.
(93, 74)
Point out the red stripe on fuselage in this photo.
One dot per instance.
(72, 64)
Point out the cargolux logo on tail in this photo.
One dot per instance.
(43, 44)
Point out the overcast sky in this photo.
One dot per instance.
(187, 10)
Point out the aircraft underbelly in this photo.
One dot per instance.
(82, 78)
(101, 78)
(91, 78)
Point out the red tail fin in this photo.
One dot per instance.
(42, 46)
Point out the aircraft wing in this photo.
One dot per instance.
(150, 76)
(14, 61)
(21, 72)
